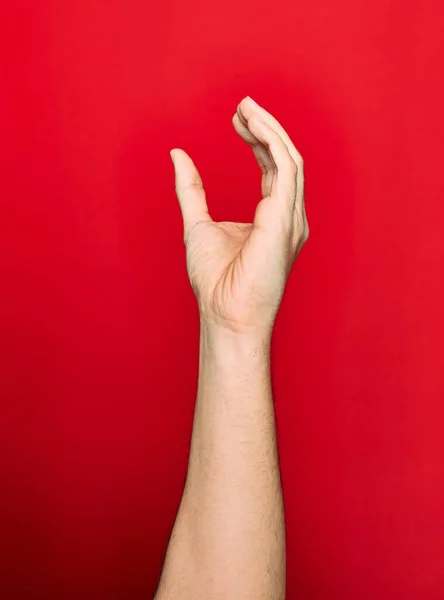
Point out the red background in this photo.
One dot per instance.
(99, 330)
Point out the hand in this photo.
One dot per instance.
(239, 270)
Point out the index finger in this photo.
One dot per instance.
(246, 109)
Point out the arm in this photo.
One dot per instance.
(229, 537)
(228, 540)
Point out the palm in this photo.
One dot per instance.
(226, 270)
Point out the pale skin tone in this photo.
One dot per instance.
(228, 540)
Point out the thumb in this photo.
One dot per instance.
(189, 190)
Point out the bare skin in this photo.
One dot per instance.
(228, 540)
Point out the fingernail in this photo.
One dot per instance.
(172, 157)
(250, 98)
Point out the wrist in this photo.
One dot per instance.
(217, 339)
(234, 361)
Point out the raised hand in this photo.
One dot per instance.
(239, 270)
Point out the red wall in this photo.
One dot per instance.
(98, 324)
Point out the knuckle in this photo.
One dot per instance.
(301, 229)
(195, 184)
(298, 159)
(298, 225)
(293, 167)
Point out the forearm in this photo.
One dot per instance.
(229, 536)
